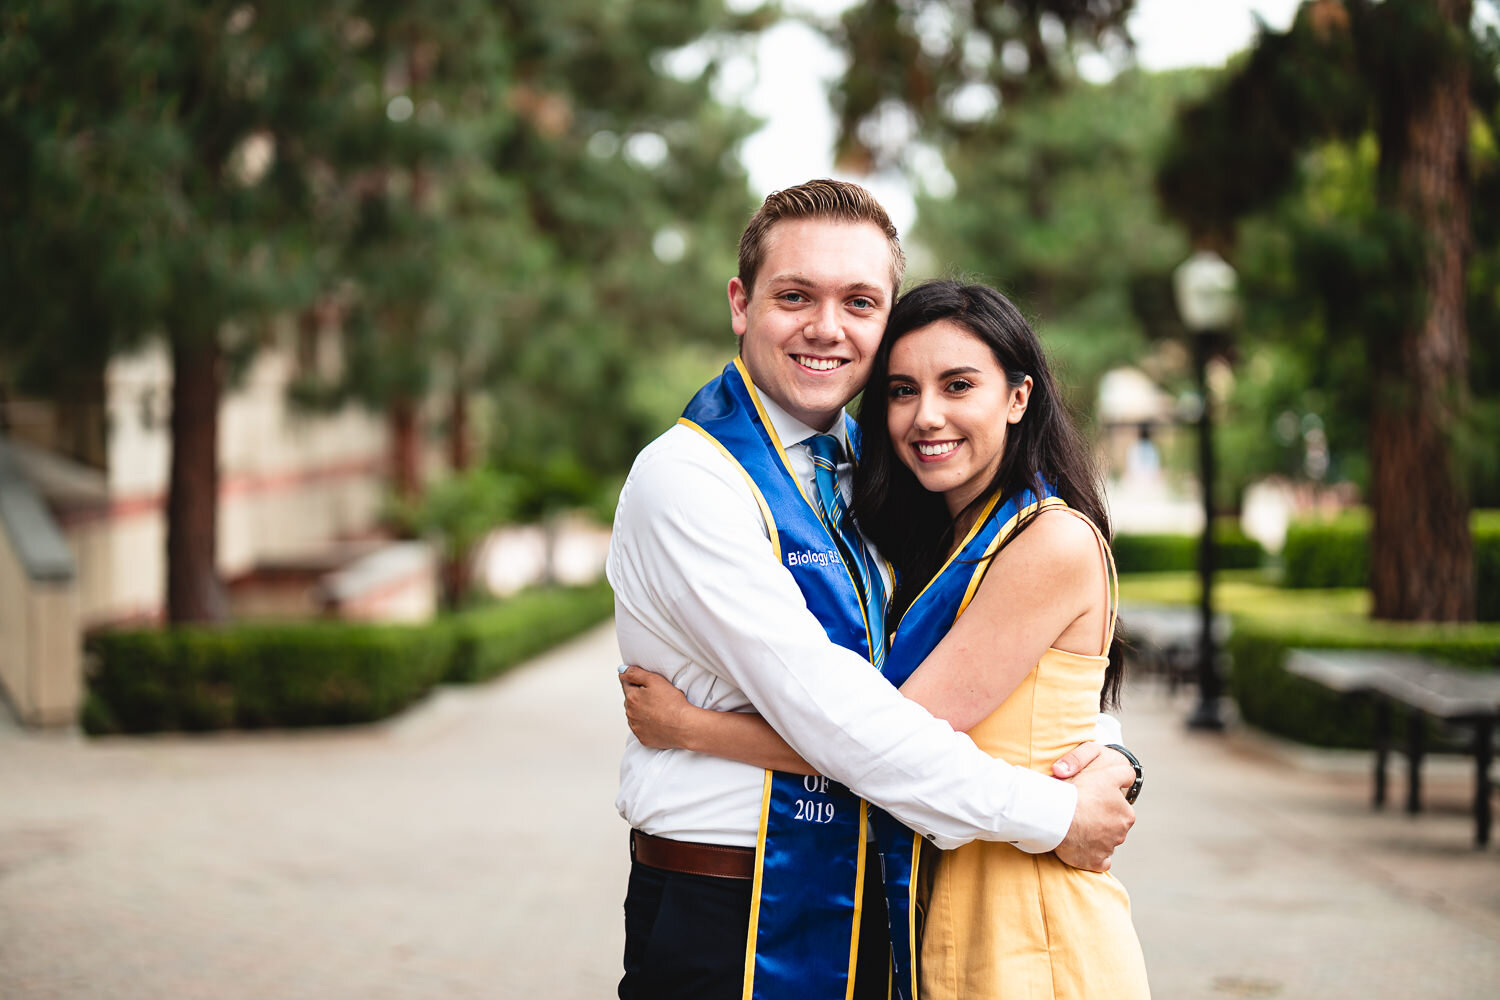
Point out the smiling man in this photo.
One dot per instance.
(740, 583)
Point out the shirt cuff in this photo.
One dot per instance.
(1044, 807)
(1107, 730)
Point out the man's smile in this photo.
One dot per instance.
(819, 364)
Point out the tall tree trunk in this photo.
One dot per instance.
(1421, 558)
(406, 466)
(460, 433)
(194, 593)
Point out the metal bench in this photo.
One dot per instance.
(1423, 687)
(1163, 639)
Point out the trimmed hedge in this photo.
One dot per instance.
(489, 641)
(1332, 553)
(1336, 553)
(1278, 702)
(315, 674)
(1166, 553)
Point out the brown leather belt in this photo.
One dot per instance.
(692, 859)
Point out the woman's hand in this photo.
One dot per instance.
(658, 713)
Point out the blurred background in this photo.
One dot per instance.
(330, 331)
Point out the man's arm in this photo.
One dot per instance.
(714, 581)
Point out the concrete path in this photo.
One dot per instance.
(470, 848)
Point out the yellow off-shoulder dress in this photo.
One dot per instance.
(1005, 924)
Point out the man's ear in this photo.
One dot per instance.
(739, 306)
(1020, 398)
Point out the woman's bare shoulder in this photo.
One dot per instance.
(1065, 539)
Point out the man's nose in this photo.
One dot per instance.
(825, 323)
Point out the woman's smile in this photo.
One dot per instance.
(936, 451)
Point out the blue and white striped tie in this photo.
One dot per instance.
(826, 452)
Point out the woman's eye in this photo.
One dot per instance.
(898, 391)
(960, 385)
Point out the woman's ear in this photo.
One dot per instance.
(1020, 398)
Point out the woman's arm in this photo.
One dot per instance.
(661, 717)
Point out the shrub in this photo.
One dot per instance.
(315, 674)
(491, 640)
(1164, 553)
(253, 676)
(1336, 553)
(1333, 553)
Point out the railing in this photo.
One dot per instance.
(40, 654)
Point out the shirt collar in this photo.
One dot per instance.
(793, 431)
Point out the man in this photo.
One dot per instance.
(747, 883)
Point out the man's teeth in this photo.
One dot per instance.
(818, 364)
(937, 449)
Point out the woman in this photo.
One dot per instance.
(970, 464)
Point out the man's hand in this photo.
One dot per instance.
(1085, 756)
(1103, 817)
(658, 713)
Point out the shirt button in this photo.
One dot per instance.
(932, 836)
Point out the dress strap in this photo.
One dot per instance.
(1111, 580)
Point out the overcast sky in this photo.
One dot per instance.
(785, 79)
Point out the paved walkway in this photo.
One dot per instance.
(470, 849)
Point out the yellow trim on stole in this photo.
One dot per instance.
(765, 510)
(760, 861)
(859, 897)
(911, 910)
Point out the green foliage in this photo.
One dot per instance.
(1330, 553)
(1299, 163)
(1165, 553)
(254, 676)
(1336, 553)
(937, 59)
(1052, 203)
(461, 510)
(316, 674)
(491, 640)
(1278, 702)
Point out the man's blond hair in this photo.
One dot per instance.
(834, 201)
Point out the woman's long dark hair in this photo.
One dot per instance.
(911, 526)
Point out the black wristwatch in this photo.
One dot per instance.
(1140, 772)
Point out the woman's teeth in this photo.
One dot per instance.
(937, 449)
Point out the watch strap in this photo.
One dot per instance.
(1140, 772)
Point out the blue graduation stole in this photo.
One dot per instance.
(810, 850)
(921, 628)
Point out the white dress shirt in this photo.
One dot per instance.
(701, 598)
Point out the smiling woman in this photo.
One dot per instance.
(949, 407)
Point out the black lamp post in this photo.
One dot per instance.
(1205, 290)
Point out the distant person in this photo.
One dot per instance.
(1143, 461)
(969, 464)
(736, 576)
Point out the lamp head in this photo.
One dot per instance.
(1205, 287)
